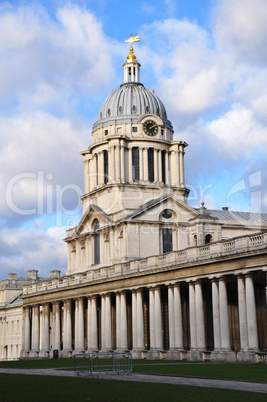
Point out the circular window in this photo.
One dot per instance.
(120, 109)
(147, 109)
(158, 112)
(166, 214)
(108, 112)
(134, 109)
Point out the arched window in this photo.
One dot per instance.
(105, 167)
(135, 163)
(166, 240)
(208, 238)
(96, 242)
(150, 155)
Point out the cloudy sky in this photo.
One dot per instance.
(205, 59)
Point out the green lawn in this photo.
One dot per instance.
(249, 372)
(44, 388)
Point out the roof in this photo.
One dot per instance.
(237, 216)
(128, 103)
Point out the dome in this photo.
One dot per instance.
(128, 103)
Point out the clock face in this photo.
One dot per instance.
(150, 128)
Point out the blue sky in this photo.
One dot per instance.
(206, 60)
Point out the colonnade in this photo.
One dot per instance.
(168, 165)
(195, 318)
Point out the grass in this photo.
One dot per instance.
(44, 388)
(248, 372)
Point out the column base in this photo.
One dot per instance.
(226, 355)
(44, 354)
(139, 353)
(175, 354)
(66, 353)
(78, 351)
(248, 356)
(155, 354)
(34, 354)
(24, 354)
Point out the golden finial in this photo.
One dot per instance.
(132, 39)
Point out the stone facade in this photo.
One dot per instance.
(147, 272)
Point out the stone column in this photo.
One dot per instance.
(108, 324)
(92, 324)
(141, 164)
(171, 317)
(200, 322)
(181, 165)
(118, 321)
(35, 331)
(103, 322)
(117, 163)
(27, 329)
(79, 321)
(216, 315)
(242, 311)
(124, 334)
(122, 163)
(160, 166)
(112, 164)
(130, 165)
(152, 318)
(140, 320)
(134, 319)
(224, 318)
(45, 332)
(251, 314)
(167, 169)
(145, 158)
(100, 168)
(67, 340)
(192, 316)
(57, 334)
(178, 321)
(158, 319)
(156, 166)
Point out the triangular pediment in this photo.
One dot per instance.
(151, 211)
(85, 225)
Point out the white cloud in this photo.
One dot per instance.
(237, 133)
(22, 250)
(55, 58)
(38, 150)
(241, 27)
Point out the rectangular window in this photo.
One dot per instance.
(166, 240)
(134, 129)
(162, 132)
(163, 169)
(106, 132)
(151, 164)
(135, 163)
(105, 167)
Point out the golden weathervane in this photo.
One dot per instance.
(132, 39)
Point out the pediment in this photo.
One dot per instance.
(152, 210)
(85, 225)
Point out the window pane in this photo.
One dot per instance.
(163, 154)
(151, 165)
(135, 164)
(105, 167)
(167, 240)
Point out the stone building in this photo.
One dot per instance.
(146, 271)
(11, 314)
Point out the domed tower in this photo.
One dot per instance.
(133, 157)
(134, 179)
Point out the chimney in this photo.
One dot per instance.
(55, 274)
(12, 277)
(32, 274)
